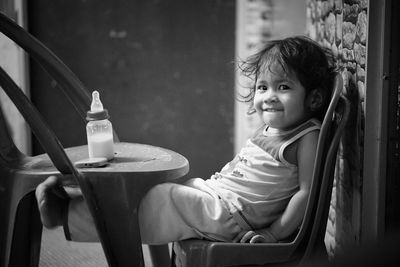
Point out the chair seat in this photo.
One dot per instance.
(194, 252)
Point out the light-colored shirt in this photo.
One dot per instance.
(258, 183)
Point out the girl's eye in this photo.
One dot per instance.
(283, 87)
(262, 87)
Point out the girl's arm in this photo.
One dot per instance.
(293, 215)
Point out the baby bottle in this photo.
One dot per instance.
(99, 130)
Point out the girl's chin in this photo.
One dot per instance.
(276, 123)
(272, 122)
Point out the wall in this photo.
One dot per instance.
(13, 61)
(257, 22)
(163, 68)
(342, 26)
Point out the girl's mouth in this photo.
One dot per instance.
(272, 109)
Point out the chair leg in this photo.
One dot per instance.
(159, 255)
(173, 256)
(26, 241)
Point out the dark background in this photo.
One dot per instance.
(164, 70)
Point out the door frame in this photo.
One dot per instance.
(381, 82)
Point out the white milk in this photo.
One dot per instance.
(101, 145)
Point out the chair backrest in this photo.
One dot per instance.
(11, 156)
(40, 129)
(72, 88)
(314, 223)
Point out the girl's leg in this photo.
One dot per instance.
(168, 212)
(171, 212)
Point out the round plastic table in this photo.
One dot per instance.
(115, 190)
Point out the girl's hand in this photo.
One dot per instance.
(260, 236)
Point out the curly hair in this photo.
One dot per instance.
(314, 66)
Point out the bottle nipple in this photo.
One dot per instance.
(96, 112)
(96, 105)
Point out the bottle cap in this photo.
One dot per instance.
(96, 112)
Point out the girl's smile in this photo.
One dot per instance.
(271, 109)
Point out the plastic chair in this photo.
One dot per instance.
(308, 243)
(20, 226)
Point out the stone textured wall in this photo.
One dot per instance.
(342, 26)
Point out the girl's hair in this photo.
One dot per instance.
(314, 66)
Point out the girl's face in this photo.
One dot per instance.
(279, 98)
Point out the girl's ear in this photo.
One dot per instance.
(314, 100)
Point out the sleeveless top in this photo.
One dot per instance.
(258, 183)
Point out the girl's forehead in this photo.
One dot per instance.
(275, 70)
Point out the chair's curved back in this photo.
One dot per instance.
(75, 92)
(317, 232)
(50, 144)
(316, 213)
(40, 129)
(324, 142)
(72, 87)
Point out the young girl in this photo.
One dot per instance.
(261, 195)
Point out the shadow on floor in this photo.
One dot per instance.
(57, 252)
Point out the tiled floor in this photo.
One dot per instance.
(57, 252)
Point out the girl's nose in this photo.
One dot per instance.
(270, 96)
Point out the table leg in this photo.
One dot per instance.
(114, 208)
